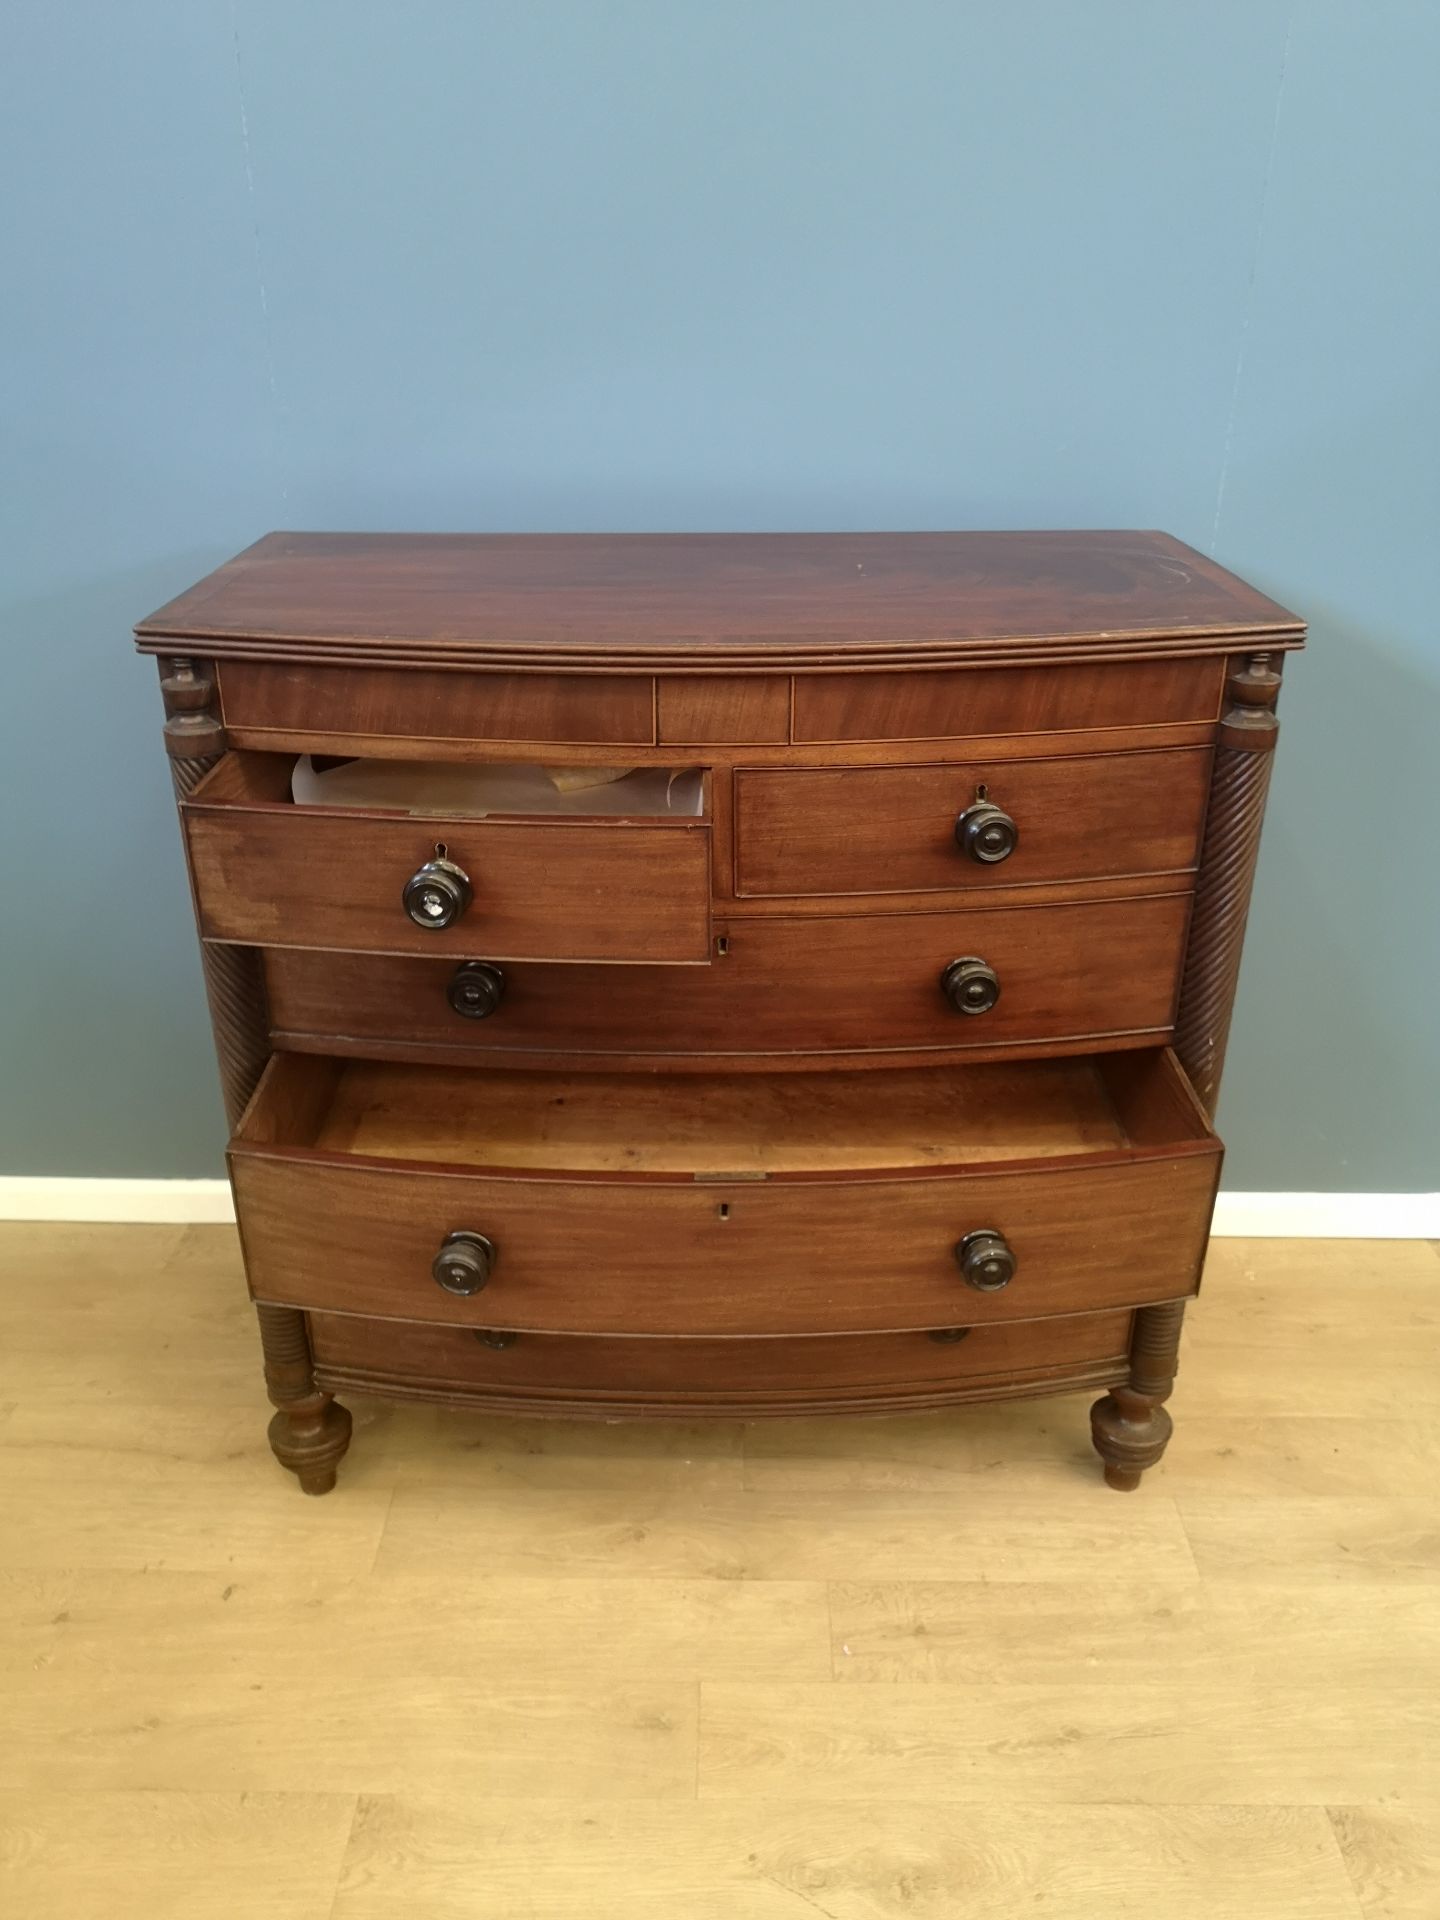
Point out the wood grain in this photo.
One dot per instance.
(875, 1860)
(709, 1373)
(722, 709)
(196, 1742)
(173, 1856)
(597, 709)
(701, 1125)
(991, 1536)
(1280, 1745)
(892, 830)
(1000, 700)
(1392, 1854)
(789, 989)
(593, 1257)
(711, 599)
(853, 1230)
(270, 873)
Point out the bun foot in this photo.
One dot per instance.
(1130, 1433)
(310, 1440)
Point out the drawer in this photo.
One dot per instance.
(740, 1377)
(308, 704)
(977, 824)
(268, 872)
(948, 704)
(724, 1205)
(792, 989)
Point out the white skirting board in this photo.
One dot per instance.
(1271, 1216)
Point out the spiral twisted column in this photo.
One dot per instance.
(1244, 755)
(1130, 1425)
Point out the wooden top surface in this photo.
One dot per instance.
(739, 601)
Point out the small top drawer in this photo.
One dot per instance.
(268, 872)
(956, 702)
(319, 703)
(842, 830)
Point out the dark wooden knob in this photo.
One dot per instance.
(496, 1338)
(437, 894)
(949, 1336)
(986, 833)
(970, 986)
(476, 989)
(986, 1259)
(464, 1263)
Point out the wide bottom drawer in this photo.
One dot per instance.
(879, 1202)
(743, 1378)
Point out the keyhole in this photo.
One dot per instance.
(722, 1212)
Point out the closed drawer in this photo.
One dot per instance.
(315, 703)
(270, 873)
(764, 1204)
(786, 990)
(913, 829)
(739, 1377)
(949, 704)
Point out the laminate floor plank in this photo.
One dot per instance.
(453, 1857)
(1221, 1744)
(132, 1855)
(862, 1668)
(1131, 1634)
(1393, 1857)
(1307, 1456)
(991, 1535)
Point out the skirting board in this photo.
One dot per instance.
(1270, 1216)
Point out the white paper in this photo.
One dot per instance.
(405, 786)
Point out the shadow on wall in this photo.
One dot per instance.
(1335, 1044)
(104, 1038)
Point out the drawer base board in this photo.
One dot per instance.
(567, 1403)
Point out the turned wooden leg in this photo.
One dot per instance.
(1130, 1426)
(310, 1431)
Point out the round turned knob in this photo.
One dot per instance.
(494, 1337)
(970, 986)
(949, 1336)
(437, 894)
(986, 1259)
(464, 1262)
(987, 833)
(476, 989)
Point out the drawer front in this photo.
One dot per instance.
(422, 704)
(655, 1256)
(555, 890)
(723, 709)
(912, 829)
(952, 703)
(741, 1377)
(786, 989)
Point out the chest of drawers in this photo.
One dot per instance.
(721, 974)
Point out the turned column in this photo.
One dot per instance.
(309, 1432)
(1130, 1426)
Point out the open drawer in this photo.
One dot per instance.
(707, 1204)
(603, 887)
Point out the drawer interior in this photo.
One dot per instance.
(513, 790)
(695, 1126)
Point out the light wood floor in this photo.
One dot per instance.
(916, 1667)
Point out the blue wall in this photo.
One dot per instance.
(776, 263)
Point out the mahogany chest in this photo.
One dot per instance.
(721, 974)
